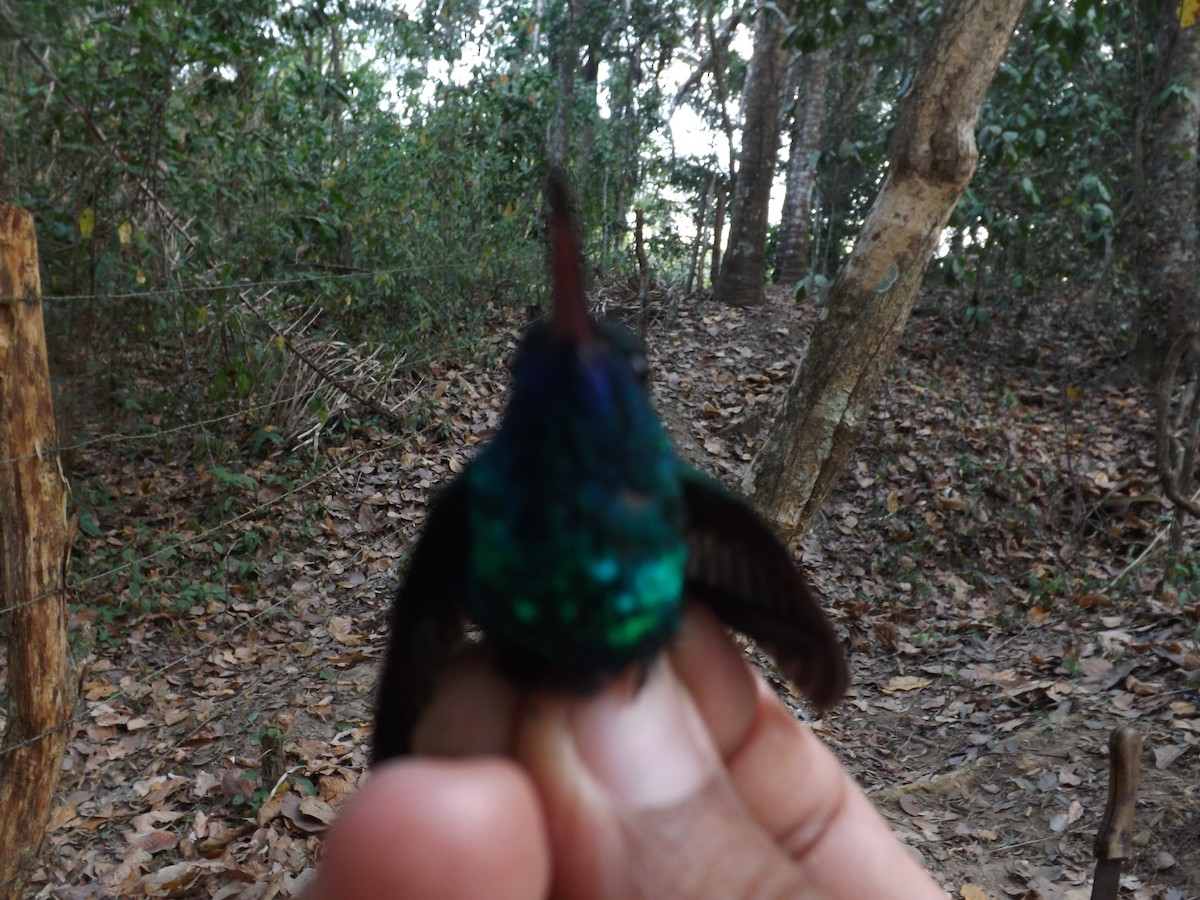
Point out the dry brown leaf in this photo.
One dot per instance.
(1163, 860)
(106, 715)
(334, 788)
(62, 817)
(341, 629)
(174, 880)
(301, 814)
(152, 841)
(1166, 754)
(155, 790)
(98, 690)
(205, 782)
(906, 683)
(221, 835)
(1142, 688)
(318, 809)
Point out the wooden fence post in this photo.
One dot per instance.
(34, 543)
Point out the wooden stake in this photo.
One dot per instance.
(34, 542)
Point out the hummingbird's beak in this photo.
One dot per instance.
(570, 319)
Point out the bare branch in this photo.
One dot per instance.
(1169, 464)
(719, 46)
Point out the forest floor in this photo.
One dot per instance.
(994, 560)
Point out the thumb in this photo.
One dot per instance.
(637, 800)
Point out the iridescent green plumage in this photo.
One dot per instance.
(577, 557)
(575, 535)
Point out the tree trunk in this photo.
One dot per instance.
(695, 277)
(564, 49)
(717, 231)
(625, 128)
(854, 71)
(796, 228)
(34, 540)
(932, 158)
(1169, 271)
(743, 271)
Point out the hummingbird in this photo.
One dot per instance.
(575, 535)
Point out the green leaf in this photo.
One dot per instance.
(225, 476)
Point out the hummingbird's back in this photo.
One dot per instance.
(576, 515)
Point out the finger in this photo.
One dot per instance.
(471, 712)
(636, 800)
(444, 829)
(790, 782)
(776, 765)
(714, 671)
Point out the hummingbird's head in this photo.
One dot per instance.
(572, 359)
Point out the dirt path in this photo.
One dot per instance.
(970, 559)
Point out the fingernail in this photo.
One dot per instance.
(646, 746)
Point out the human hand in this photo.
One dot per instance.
(699, 784)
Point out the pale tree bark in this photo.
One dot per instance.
(795, 230)
(695, 276)
(743, 270)
(932, 157)
(34, 540)
(718, 230)
(1170, 306)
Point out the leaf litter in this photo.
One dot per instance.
(976, 558)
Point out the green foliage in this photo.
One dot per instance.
(1183, 577)
(224, 476)
(813, 285)
(1056, 137)
(386, 166)
(214, 170)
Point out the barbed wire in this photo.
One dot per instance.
(120, 437)
(40, 736)
(166, 548)
(34, 601)
(220, 527)
(234, 286)
(121, 693)
(115, 437)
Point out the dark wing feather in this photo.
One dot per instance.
(427, 623)
(739, 569)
